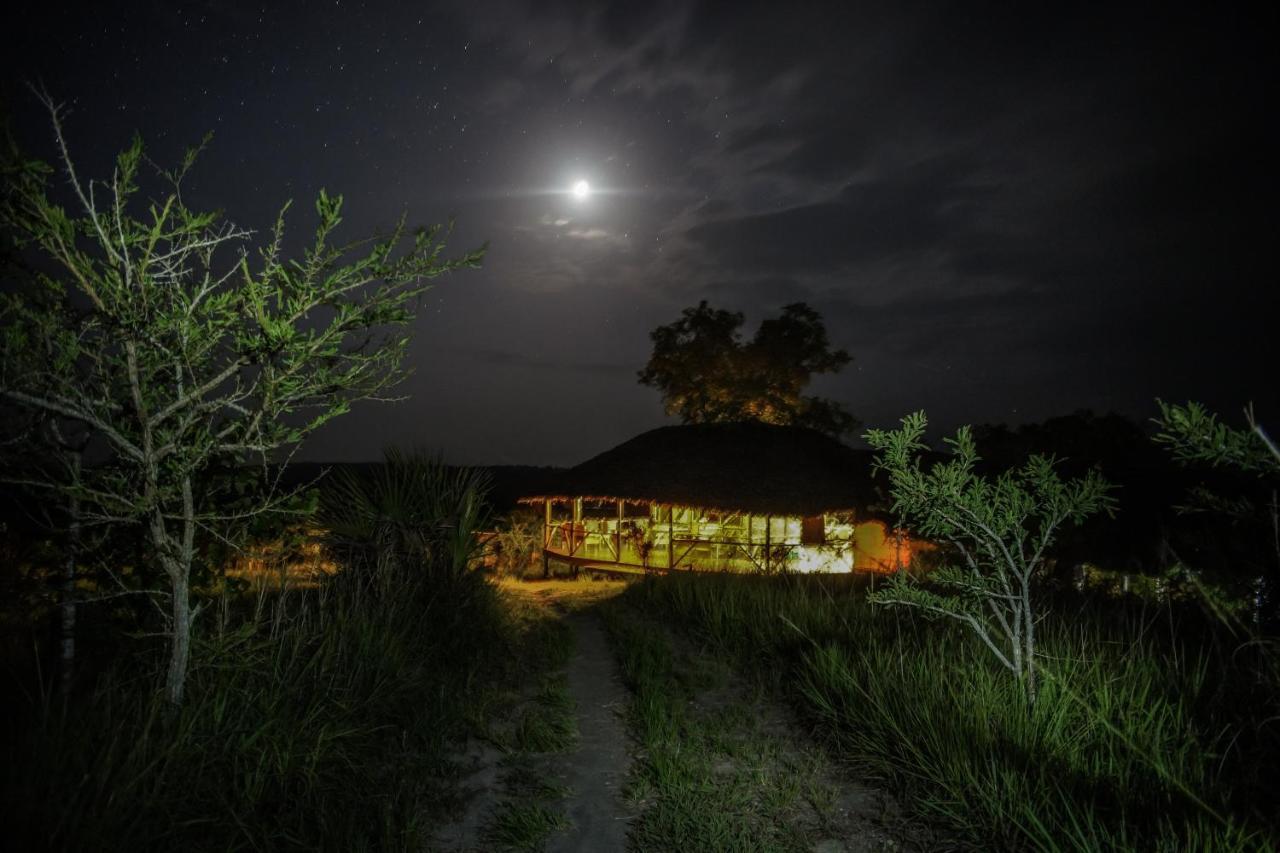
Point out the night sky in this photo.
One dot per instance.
(1002, 215)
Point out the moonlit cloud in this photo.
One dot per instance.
(1027, 209)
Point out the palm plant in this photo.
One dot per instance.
(413, 518)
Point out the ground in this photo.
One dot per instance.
(641, 741)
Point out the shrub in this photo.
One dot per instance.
(1142, 740)
(315, 718)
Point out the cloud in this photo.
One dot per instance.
(870, 220)
(589, 234)
(511, 359)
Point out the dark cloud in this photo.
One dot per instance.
(509, 358)
(1003, 212)
(869, 220)
(750, 292)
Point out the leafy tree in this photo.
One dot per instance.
(707, 373)
(150, 325)
(1000, 528)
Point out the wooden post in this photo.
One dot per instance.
(767, 546)
(671, 536)
(618, 532)
(575, 527)
(576, 543)
(546, 540)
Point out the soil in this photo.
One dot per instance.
(593, 771)
(596, 770)
(858, 818)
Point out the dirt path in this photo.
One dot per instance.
(723, 766)
(548, 771)
(596, 770)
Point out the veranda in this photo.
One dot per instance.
(632, 535)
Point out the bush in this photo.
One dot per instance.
(518, 541)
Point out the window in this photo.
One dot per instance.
(813, 530)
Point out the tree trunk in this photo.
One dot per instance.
(180, 645)
(1030, 638)
(67, 660)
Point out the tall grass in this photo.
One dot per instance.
(1140, 740)
(315, 719)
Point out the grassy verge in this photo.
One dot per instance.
(322, 720)
(714, 772)
(1135, 744)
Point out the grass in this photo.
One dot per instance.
(524, 826)
(1138, 741)
(327, 727)
(536, 711)
(709, 775)
(548, 725)
(534, 718)
(524, 780)
(326, 717)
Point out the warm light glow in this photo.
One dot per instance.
(811, 558)
(879, 549)
(581, 189)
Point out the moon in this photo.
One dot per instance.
(581, 189)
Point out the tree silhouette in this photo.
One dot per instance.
(707, 373)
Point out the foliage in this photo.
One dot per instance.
(1194, 434)
(1000, 528)
(148, 325)
(322, 717)
(706, 373)
(642, 538)
(315, 718)
(1195, 437)
(518, 541)
(1148, 736)
(411, 515)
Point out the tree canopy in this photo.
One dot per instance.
(707, 373)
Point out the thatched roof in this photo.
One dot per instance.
(751, 467)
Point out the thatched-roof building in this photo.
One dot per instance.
(741, 496)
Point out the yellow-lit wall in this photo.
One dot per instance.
(877, 549)
(675, 532)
